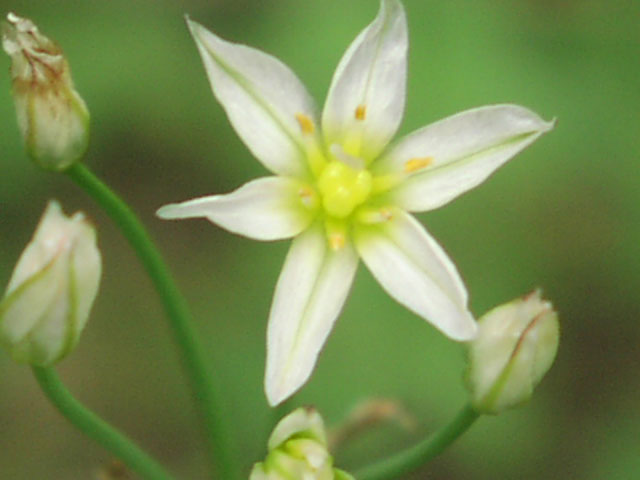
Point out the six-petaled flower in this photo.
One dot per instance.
(342, 191)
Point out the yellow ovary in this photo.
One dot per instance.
(343, 188)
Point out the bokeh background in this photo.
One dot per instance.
(564, 216)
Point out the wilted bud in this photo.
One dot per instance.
(52, 288)
(298, 450)
(53, 119)
(515, 346)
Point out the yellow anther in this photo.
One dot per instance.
(415, 164)
(372, 216)
(361, 112)
(307, 196)
(386, 214)
(336, 231)
(337, 241)
(305, 122)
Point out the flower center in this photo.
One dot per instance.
(343, 188)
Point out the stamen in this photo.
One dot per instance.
(384, 183)
(415, 164)
(337, 241)
(336, 232)
(372, 216)
(307, 196)
(352, 143)
(315, 157)
(361, 112)
(354, 162)
(305, 122)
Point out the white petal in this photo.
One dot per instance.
(258, 473)
(86, 270)
(54, 334)
(50, 237)
(304, 420)
(371, 75)
(261, 96)
(414, 270)
(462, 151)
(269, 208)
(29, 302)
(311, 290)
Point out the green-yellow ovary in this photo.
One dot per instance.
(343, 188)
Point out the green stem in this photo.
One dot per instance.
(416, 456)
(176, 307)
(96, 428)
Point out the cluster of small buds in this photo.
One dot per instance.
(52, 117)
(52, 289)
(298, 450)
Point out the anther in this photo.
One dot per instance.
(337, 241)
(386, 214)
(361, 112)
(374, 216)
(336, 232)
(306, 196)
(415, 164)
(305, 122)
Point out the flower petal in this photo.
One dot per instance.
(52, 232)
(367, 93)
(304, 422)
(458, 153)
(414, 270)
(263, 99)
(86, 270)
(311, 290)
(268, 208)
(25, 305)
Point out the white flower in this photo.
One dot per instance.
(342, 191)
(52, 289)
(52, 117)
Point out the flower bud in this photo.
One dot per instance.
(52, 117)
(52, 288)
(298, 450)
(515, 346)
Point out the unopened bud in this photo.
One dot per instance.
(52, 117)
(298, 450)
(52, 289)
(515, 347)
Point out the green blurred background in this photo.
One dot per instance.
(563, 216)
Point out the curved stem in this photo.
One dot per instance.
(96, 428)
(175, 305)
(416, 456)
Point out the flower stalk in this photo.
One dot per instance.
(414, 457)
(193, 356)
(94, 427)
